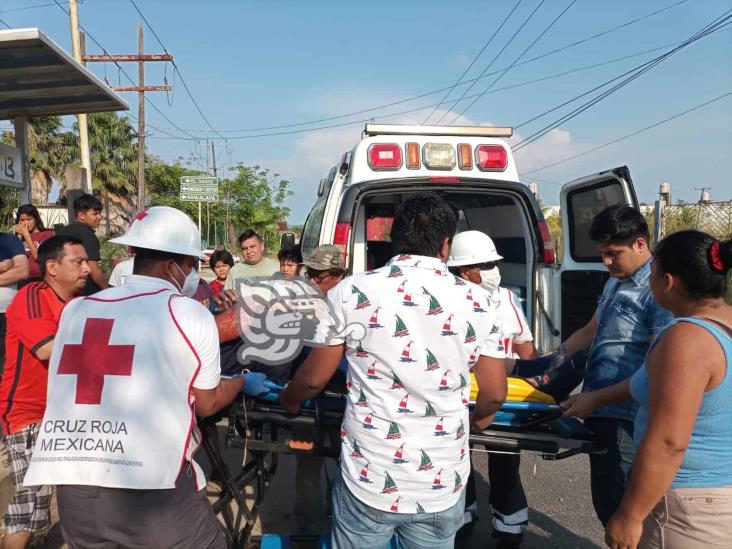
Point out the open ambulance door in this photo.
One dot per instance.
(581, 276)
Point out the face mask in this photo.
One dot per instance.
(490, 280)
(190, 282)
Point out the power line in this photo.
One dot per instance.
(449, 91)
(6, 25)
(177, 70)
(634, 74)
(466, 82)
(557, 18)
(417, 109)
(513, 36)
(627, 136)
(123, 71)
(26, 8)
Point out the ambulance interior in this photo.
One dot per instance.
(500, 214)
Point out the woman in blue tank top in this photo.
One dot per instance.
(680, 491)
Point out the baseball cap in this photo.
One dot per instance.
(325, 257)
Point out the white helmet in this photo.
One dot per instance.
(165, 229)
(472, 248)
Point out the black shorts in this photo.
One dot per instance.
(111, 518)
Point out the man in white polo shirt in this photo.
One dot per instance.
(131, 366)
(404, 456)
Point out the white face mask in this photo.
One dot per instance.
(490, 280)
(190, 282)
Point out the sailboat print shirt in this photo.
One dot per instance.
(405, 429)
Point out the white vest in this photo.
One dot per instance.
(120, 407)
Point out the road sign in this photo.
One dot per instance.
(199, 188)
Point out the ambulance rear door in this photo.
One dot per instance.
(580, 279)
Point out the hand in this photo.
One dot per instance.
(287, 404)
(225, 300)
(6, 265)
(254, 384)
(22, 230)
(581, 406)
(623, 532)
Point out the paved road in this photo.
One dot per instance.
(559, 497)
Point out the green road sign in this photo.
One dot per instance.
(199, 188)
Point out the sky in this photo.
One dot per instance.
(267, 63)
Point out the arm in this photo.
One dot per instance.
(525, 351)
(312, 376)
(210, 401)
(584, 405)
(19, 271)
(22, 230)
(686, 363)
(97, 275)
(490, 374)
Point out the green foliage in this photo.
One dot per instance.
(253, 198)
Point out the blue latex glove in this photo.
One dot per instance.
(255, 384)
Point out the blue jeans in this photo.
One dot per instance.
(610, 472)
(356, 524)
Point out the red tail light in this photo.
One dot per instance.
(444, 179)
(341, 236)
(547, 244)
(491, 158)
(385, 156)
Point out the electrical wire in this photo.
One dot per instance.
(176, 69)
(25, 8)
(119, 67)
(513, 36)
(488, 43)
(474, 101)
(465, 82)
(495, 90)
(635, 73)
(6, 25)
(627, 136)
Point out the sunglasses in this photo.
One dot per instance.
(317, 278)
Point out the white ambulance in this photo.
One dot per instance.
(473, 169)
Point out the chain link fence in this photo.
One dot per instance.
(714, 218)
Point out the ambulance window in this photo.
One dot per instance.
(311, 232)
(583, 205)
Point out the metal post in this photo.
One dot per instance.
(141, 127)
(199, 217)
(83, 128)
(21, 142)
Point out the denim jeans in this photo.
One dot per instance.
(610, 472)
(357, 525)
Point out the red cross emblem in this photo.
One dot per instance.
(142, 215)
(94, 358)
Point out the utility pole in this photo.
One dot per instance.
(83, 128)
(208, 212)
(141, 88)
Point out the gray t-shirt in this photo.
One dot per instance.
(267, 267)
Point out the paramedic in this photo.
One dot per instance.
(474, 258)
(618, 335)
(123, 479)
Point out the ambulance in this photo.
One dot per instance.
(473, 169)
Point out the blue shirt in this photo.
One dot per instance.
(627, 319)
(708, 457)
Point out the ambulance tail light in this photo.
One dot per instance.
(491, 158)
(465, 156)
(341, 236)
(385, 156)
(547, 244)
(413, 162)
(444, 180)
(438, 156)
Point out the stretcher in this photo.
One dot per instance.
(529, 421)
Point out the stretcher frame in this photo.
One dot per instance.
(256, 426)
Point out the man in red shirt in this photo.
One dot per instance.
(33, 318)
